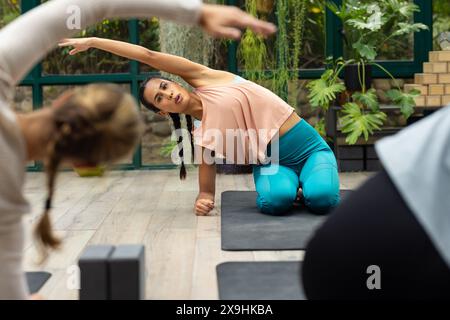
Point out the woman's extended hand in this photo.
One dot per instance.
(78, 44)
(228, 21)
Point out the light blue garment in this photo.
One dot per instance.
(197, 123)
(238, 79)
(306, 161)
(417, 160)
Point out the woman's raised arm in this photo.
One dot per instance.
(30, 37)
(191, 72)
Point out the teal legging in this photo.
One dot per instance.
(306, 161)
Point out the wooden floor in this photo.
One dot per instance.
(147, 207)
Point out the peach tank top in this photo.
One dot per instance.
(239, 120)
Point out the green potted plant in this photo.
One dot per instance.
(361, 113)
(367, 25)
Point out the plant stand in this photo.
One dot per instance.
(358, 158)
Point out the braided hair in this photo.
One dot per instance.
(98, 123)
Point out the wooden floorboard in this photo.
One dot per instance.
(153, 208)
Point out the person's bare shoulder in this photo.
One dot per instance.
(212, 77)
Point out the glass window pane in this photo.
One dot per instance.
(23, 99)
(441, 22)
(397, 48)
(23, 103)
(156, 141)
(312, 53)
(51, 93)
(149, 38)
(388, 47)
(92, 61)
(9, 10)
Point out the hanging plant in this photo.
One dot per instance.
(289, 13)
(252, 50)
(253, 54)
(299, 13)
(280, 78)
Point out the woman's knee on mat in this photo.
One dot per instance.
(275, 202)
(321, 200)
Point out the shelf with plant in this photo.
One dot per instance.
(367, 25)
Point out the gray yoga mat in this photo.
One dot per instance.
(245, 228)
(36, 280)
(277, 280)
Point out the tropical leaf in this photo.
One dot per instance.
(327, 75)
(321, 127)
(338, 11)
(361, 24)
(405, 100)
(166, 149)
(322, 93)
(407, 8)
(368, 99)
(406, 28)
(356, 123)
(365, 50)
(373, 22)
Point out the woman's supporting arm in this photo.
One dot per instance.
(207, 187)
